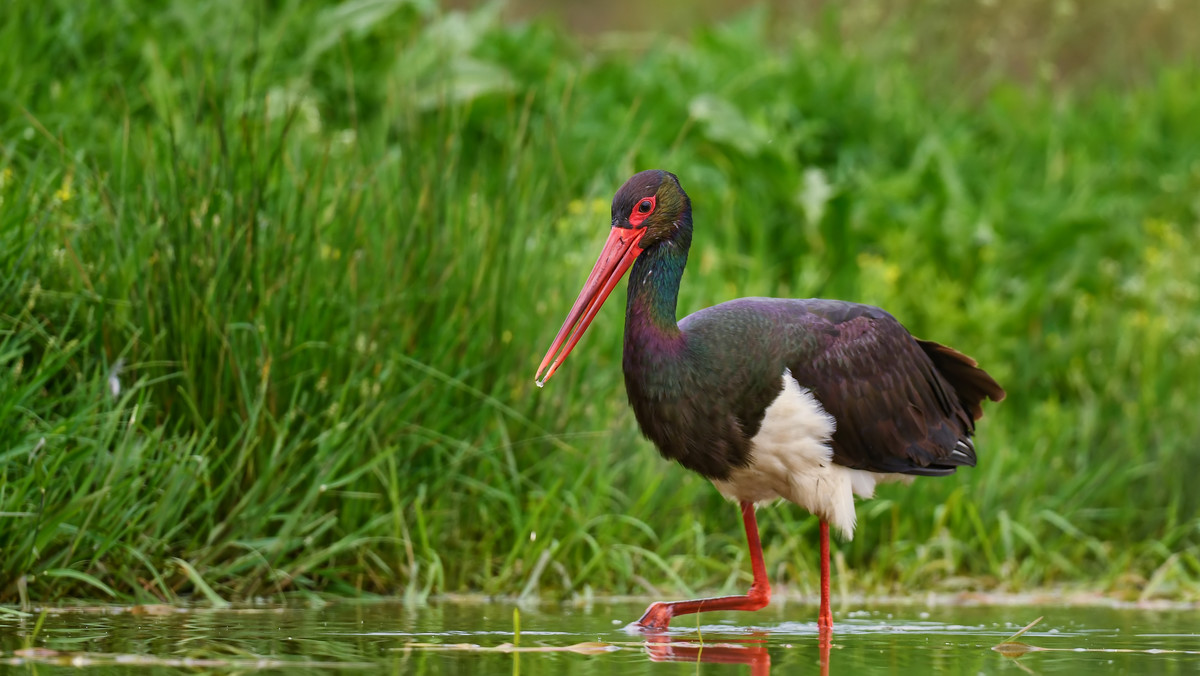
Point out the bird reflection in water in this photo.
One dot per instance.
(751, 651)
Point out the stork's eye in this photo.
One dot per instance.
(641, 210)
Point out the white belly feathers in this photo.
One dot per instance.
(791, 459)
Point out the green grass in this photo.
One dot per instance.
(322, 251)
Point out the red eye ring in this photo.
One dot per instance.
(641, 210)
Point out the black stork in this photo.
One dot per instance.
(814, 401)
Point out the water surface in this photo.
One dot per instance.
(478, 638)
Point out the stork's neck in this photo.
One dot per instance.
(651, 333)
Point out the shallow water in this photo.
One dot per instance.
(477, 638)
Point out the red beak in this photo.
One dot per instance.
(618, 254)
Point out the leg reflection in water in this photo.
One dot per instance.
(751, 651)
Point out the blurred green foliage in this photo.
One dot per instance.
(276, 277)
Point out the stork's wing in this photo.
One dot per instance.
(902, 405)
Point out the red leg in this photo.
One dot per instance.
(658, 615)
(825, 618)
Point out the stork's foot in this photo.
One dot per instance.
(825, 621)
(657, 618)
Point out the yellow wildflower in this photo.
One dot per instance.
(64, 193)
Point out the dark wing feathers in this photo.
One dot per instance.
(901, 404)
(972, 383)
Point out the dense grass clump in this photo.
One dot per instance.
(275, 277)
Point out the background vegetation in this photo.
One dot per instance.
(275, 277)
